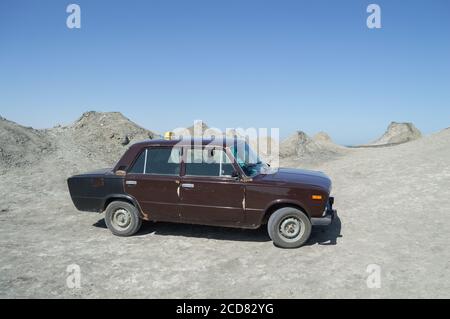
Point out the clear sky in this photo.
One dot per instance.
(296, 65)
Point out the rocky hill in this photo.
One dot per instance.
(302, 147)
(103, 134)
(102, 137)
(95, 137)
(398, 133)
(21, 145)
(322, 137)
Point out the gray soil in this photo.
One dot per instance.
(393, 204)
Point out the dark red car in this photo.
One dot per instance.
(219, 182)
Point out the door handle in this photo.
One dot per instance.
(131, 182)
(187, 185)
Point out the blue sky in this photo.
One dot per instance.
(296, 65)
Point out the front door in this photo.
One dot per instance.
(154, 180)
(209, 193)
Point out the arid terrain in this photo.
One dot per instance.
(392, 197)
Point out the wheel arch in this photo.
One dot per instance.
(124, 198)
(274, 206)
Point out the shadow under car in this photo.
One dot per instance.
(321, 235)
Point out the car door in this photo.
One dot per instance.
(153, 180)
(209, 194)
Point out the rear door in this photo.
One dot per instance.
(208, 191)
(153, 180)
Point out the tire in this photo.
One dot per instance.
(289, 227)
(122, 218)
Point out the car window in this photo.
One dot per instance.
(164, 161)
(248, 159)
(138, 166)
(208, 162)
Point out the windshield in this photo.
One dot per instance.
(248, 159)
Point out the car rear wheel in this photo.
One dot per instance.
(289, 227)
(122, 218)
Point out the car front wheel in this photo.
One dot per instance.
(122, 218)
(289, 227)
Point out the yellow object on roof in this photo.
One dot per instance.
(169, 135)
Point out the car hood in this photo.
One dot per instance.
(296, 176)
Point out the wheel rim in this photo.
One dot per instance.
(121, 218)
(291, 228)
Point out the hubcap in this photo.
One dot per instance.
(121, 218)
(291, 228)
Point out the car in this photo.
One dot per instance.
(214, 181)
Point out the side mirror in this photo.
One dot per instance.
(235, 175)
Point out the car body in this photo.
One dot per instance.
(203, 181)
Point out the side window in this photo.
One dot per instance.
(138, 166)
(227, 168)
(208, 162)
(164, 160)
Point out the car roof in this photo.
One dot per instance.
(218, 141)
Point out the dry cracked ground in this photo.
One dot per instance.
(393, 205)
